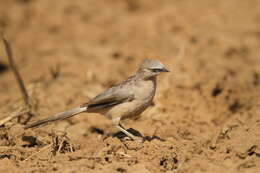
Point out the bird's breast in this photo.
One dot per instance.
(144, 92)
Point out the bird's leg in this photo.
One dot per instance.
(122, 129)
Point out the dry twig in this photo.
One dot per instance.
(17, 75)
(29, 107)
(18, 113)
(34, 154)
(61, 143)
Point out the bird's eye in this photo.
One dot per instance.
(156, 70)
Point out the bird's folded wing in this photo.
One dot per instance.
(109, 98)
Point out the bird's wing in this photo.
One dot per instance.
(111, 97)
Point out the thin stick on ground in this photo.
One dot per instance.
(17, 75)
(34, 154)
(29, 108)
(14, 115)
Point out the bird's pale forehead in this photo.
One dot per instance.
(151, 63)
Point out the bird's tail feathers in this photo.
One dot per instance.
(58, 116)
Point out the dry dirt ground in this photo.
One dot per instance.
(206, 114)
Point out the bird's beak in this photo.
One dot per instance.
(165, 70)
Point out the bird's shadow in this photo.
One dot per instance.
(120, 135)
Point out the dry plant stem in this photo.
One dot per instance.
(44, 148)
(14, 115)
(17, 75)
(26, 99)
(59, 149)
(63, 139)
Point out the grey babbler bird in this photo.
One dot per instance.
(125, 100)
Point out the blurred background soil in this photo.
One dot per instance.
(206, 113)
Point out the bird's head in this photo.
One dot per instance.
(151, 68)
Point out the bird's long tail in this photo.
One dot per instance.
(58, 116)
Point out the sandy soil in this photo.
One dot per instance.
(206, 116)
